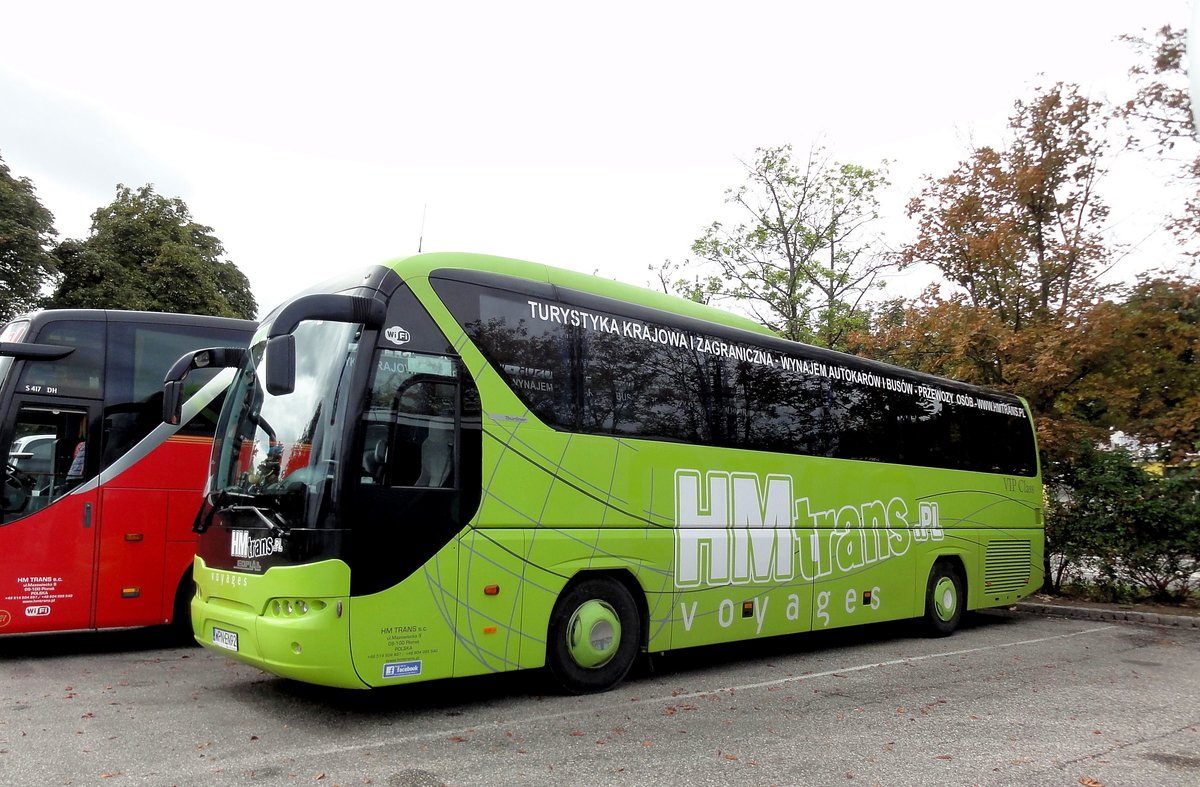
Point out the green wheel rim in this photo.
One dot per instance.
(593, 634)
(945, 598)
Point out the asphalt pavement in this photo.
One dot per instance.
(1011, 699)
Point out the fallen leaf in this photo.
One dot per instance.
(1088, 781)
(943, 757)
(576, 733)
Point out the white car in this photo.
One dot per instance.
(33, 454)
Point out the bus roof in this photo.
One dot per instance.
(423, 264)
(119, 315)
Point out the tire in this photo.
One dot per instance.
(181, 617)
(594, 636)
(945, 599)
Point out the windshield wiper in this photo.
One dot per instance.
(241, 502)
(274, 524)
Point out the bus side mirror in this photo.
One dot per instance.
(172, 401)
(281, 345)
(34, 352)
(281, 364)
(208, 358)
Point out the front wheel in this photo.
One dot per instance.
(944, 599)
(181, 615)
(594, 635)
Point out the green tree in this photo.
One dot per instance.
(145, 252)
(1144, 378)
(1020, 230)
(802, 259)
(26, 233)
(681, 279)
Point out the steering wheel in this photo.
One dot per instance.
(15, 492)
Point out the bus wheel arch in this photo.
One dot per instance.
(945, 596)
(596, 631)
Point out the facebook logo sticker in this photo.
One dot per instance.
(401, 669)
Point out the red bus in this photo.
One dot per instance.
(99, 495)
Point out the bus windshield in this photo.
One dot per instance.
(276, 456)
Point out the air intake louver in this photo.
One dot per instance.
(1007, 566)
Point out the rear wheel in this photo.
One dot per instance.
(944, 599)
(594, 635)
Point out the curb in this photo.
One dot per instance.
(1095, 613)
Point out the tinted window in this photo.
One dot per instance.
(533, 356)
(601, 371)
(78, 374)
(781, 408)
(139, 355)
(646, 389)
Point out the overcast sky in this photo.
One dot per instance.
(598, 137)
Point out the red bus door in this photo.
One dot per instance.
(48, 516)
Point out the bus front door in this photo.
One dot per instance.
(48, 515)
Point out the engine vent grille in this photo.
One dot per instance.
(1007, 565)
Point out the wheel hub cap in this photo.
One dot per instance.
(945, 598)
(593, 634)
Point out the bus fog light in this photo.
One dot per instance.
(296, 648)
(301, 607)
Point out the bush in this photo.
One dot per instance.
(1123, 529)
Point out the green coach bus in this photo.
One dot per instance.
(457, 464)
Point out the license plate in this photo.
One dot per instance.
(225, 639)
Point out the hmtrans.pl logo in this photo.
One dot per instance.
(241, 545)
(402, 669)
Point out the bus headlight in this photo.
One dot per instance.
(294, 607)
